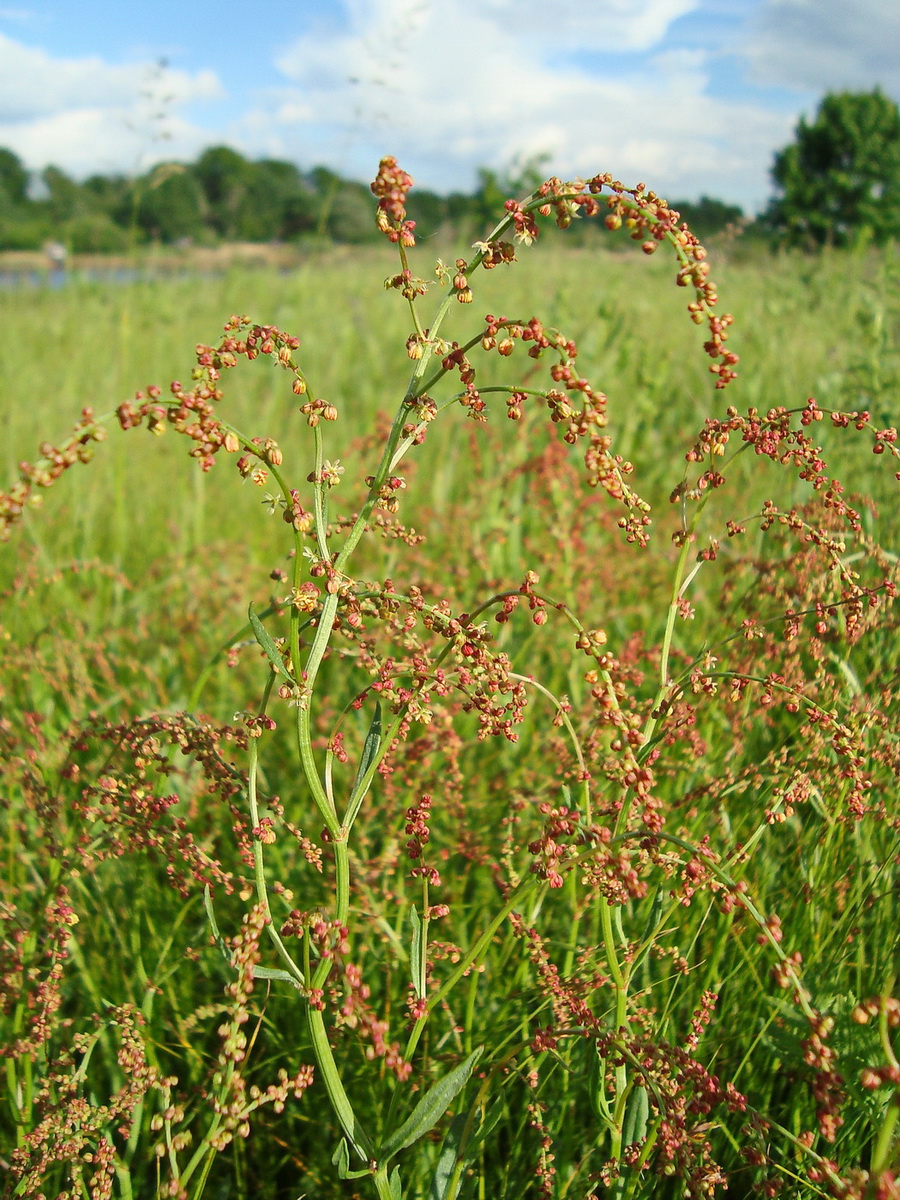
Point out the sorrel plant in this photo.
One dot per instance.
(544, 952)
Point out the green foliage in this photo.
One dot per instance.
(707, 216)
(169, 204)
(349, 217)
(13, 178)
(224, 196)
(279, 204)
(94, 233)
(23, 230)
(64, 197)
(109, 194)
(224, 176)
(839, 181)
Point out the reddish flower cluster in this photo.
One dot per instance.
(346, 992)
(124, 813)
(54, 461)
(391, 186)
(32, 964)
(418, 832)
(550, 849)
(650, 221)
(75, 1130)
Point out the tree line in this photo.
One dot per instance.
(838, 181)
(225, 197)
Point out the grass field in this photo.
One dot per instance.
(713, 784)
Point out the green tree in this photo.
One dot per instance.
(19, 229)
(109, 194)
(707, 215)
(64, 196)
(516, 182)
(13, 177)
(840, 179)
(428, 210)
(277, 203)
(224, 176)
(170, 203)
(350, 218)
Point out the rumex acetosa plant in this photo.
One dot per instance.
(514, 959)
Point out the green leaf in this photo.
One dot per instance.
(656, 912)
(635, 1129)
(417, 954)
(213, 924)
(396, 1186)
(275, 973)
(596, 1075)
(265, 640)
(618, 926)
(459, 1149)
(370, 749)
(431, 1107)
(366, 769)
(443, 1172)
(340, 1160)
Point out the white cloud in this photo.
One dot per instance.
(88, 141)
(84, 114)
(486, 81)
(826, 45)
(617, 25)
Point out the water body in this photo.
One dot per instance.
(56, 279)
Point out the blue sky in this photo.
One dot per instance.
(690, 96)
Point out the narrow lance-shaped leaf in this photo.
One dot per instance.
(275, 973)
(340, 1160)
(460, 1148)
(431, 1107)
(443, 1172)
(363, 781)
(656, 911)
(636, 1118)
(264, 638)
(213, 924)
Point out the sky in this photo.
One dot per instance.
(690, 97)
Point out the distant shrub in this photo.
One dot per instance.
(95, 233)
(24, 233)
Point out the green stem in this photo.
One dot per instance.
(885, 1144)
(262, 887)
(340, 1101)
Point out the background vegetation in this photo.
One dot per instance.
(224, 197)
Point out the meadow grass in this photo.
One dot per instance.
(119, 593)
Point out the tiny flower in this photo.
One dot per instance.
(332, 472)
